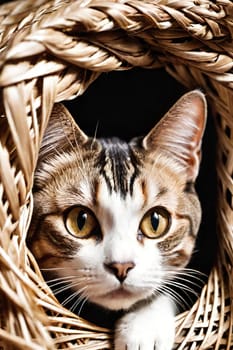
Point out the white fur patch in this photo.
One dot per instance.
(151, 327)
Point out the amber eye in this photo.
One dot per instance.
(81, 222)
(155, 222)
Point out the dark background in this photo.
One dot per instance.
(125, 104)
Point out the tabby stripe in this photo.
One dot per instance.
(119, 167)
(188, 218)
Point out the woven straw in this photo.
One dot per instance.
(52, 50)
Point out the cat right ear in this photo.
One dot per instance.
(179, 133)
(61, 131)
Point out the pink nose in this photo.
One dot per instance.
(120, 270)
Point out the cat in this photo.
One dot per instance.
(116, 222)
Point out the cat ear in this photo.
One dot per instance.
(61, 131)
(179, 133)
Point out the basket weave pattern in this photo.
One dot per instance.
(52, 51)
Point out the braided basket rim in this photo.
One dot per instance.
(52, 51)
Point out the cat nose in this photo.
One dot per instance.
(120, 270)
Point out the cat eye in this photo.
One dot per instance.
(81, 222)
(155, 222)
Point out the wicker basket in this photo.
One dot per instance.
(52, 50)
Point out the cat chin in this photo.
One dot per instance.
(119, 299)
(118, 304)
(115, 304)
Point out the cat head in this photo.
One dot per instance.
(117, 221)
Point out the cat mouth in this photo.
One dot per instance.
(120, 298)
(119, 293)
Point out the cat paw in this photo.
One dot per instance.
(150, 328)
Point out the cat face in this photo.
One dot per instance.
(117, 221)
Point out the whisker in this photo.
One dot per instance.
(185, 282)
(67, 283)
(62, 288)
(95, 134)
(178, 299)
(52, 268)
(64, 278)
(82, 300)
(192, 272)
(187, 275)
(59, 279)
(185, 289)
(183, 286)
(74, 295)
(69, 298)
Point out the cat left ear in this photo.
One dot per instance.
(179, 133)
(60, 132)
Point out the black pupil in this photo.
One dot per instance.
(154, 221)
(81, 219)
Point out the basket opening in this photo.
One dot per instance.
(127, 104)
